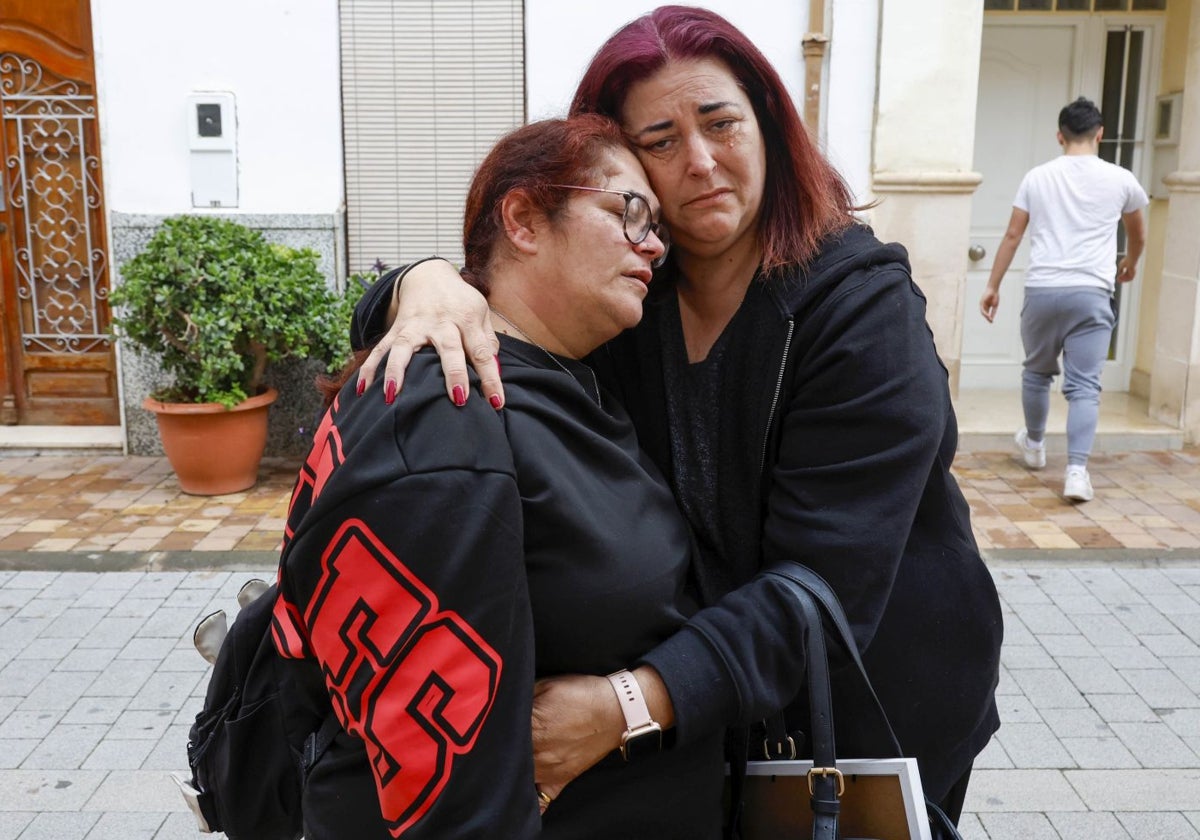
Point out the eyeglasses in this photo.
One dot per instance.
(637, 221)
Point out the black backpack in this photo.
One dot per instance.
(252, 743)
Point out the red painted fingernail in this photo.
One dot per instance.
(460, 395)
(389, 392)
(496, 402)
(362, 386)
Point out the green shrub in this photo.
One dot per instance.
(215, 302)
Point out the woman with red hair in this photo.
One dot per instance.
(785, 380)
(438, 558)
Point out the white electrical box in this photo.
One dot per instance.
(212, 145)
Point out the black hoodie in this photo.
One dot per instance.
(834, 445)
(835, 440)
(438, 559)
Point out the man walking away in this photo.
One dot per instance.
(1072, 205)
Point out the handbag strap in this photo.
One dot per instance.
(825, 783)
(805, 580)
(811, 589)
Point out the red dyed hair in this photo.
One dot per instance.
(531, 159)
(804, 199)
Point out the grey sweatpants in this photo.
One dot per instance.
(1076, 322)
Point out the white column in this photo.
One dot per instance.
(1175, 378)
(924, 145)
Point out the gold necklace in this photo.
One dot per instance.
(525, 337)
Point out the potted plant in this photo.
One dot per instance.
(215, 302)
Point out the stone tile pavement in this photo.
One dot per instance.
(1100, 692)
(115, 503)
(1100, 696)
(1100, 701)
(1144, 500)
(99, 683)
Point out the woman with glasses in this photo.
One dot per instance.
(440, 558)
(786, 382)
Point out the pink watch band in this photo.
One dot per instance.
(633, 702)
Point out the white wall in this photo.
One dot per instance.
(848, 121)
(280, 60)
(561, 38)
(928, 85)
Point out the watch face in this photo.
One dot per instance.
(645, 741)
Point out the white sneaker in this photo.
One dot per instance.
(1077, 484)
(1033, 456)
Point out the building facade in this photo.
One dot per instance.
(352, 127)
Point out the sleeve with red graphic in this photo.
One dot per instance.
(404, 577)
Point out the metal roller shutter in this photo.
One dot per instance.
(427, 88)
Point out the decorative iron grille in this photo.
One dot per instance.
(52, 188)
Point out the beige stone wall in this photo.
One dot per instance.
(1150, 277)
(923, 150)
(1174, 67)
(1175, 376)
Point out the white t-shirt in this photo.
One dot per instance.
(1074, 203)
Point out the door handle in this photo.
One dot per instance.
(976, 253)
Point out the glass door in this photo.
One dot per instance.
(1122, 102)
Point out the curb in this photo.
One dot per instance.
(137, 561)
(257, 561)
(1113, 558)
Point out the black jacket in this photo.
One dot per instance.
(438, 559)
(835, 442)
(834, 450)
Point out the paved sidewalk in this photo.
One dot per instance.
(1100, 702)
(1100, 692)
(114, 503)
(99, 683)
(1149, 501)
(1100, 696)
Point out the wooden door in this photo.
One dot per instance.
(57, 363)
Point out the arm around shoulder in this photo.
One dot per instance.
(376, 309)
(433, 306)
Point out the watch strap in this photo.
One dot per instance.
(633, 702)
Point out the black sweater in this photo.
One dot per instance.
(835, 440)
(438, 558)
(834, 446)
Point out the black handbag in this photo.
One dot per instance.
(820, 606)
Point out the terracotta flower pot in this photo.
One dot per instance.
(214, 449)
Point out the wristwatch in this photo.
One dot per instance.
(642, 736)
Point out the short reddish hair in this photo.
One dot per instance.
(531, 159)
(805, 199)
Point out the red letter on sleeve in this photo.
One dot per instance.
(414, 682)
